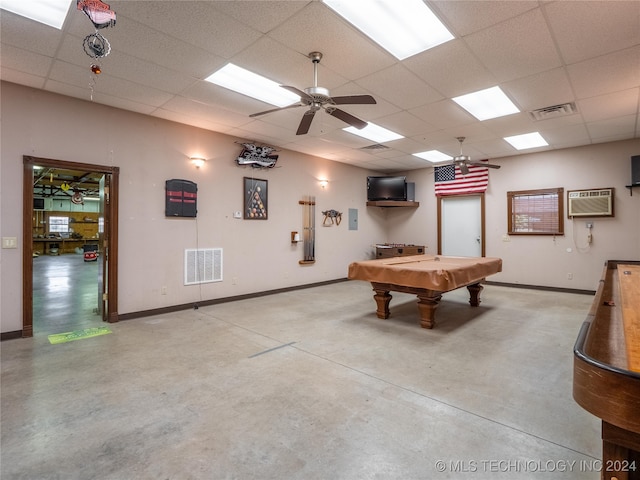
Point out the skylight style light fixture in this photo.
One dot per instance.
(253, 85)
(375, 133)
(433, 156)
(486, 104)
(403, 28)
(49, 12)
(527, 140)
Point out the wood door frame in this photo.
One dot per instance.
(111, 235)
(482, 219)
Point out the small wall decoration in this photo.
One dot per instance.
(331, 217)
(181, 198)
(257, 156)
(255, 199)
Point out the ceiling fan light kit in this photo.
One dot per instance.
(317, 98)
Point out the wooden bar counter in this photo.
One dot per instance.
(606, 368)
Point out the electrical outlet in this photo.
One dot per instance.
(569, 276)
(163, 290)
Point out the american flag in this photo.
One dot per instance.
(449, 180)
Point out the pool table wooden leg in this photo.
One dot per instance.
(382, 298)
(427, 305)
(474, 294)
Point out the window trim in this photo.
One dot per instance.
(559, 192)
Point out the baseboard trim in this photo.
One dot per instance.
(216, 301)
(10, 335)
(539, 287)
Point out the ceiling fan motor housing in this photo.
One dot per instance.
(319, 94)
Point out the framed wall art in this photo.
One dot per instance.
(255, 199)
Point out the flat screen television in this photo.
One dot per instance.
(386, 188)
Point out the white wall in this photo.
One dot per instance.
(258, 255)
(544, 260)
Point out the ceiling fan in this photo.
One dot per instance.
(463, 161)
(318, 97)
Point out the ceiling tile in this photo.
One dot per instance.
(260, 15)
(613, 105)
(445, 113)
(451, 78)
(533, 92)
(414, 91)
(516, 48)
(346, 51)
(594, 77)
(465, 17)
(589, 29)
(197, 23)
(612, 129)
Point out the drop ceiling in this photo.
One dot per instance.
(540, 53)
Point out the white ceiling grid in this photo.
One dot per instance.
(541, 53)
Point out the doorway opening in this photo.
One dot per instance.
(70, 218)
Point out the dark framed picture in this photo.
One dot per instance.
(255, 199)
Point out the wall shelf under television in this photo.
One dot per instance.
(393, 203)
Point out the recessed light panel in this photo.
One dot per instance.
(433, 156)
(49, 12)
(486, 104)
(253, 85)
(528, 140)
(403, 28)
(374, 132)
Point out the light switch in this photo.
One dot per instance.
(9, 242)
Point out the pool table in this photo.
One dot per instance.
(427, 276)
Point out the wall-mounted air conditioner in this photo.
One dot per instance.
(590, 203)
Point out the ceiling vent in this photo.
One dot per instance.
(554, 111)
(375, 146)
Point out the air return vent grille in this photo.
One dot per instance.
(202, 265)
(553, 111)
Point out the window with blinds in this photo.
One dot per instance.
(536, 212)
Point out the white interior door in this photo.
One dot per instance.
(461, 226)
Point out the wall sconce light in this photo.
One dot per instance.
(324, 183)
(197, 161)
(295, 237)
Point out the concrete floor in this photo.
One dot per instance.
(308, 384)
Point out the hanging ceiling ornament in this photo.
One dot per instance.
(77, 198)
(98, 12)
(96, 46)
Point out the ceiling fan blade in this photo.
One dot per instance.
(278, 109)
(483, 164)
(347, 118)
(354, 100)
(305, 123)
(300, 93)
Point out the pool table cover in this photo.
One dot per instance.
(431, 272)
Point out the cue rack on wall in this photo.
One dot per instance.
(309, 230)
